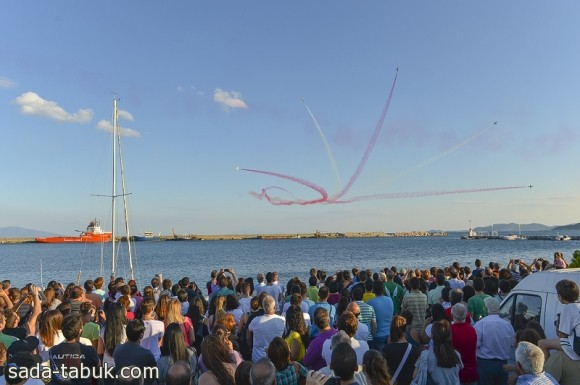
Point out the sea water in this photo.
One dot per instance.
(40, 263)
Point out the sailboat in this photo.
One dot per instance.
(114, 195)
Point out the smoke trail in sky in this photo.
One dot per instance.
(371, 144)
(426, 193)
(337, 199)
(326, 146)
(264, 194)
(438, 156)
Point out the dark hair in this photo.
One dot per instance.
(279, 353)
(182, 295)
(478, 284)
(71, 327)
(375, 366)
(174, 343)
(455, 296)
(357, 293)
(442, 347)
(295, 323)
(321, 318)
(468, 292)
(343, 361)
(114, 326)
(438, 312)
(216, 355)
(242, 375)
(414, 283)
(147, 305)
(135, 330)
(347, 322)
(568, 290)
(445, 293)
(378, 288)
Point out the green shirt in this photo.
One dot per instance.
(476, 306)
(91, 331)
(396, 292)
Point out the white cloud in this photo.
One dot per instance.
(229, 99)
(105, 125)
(6, 83)
(122, 114)
(32, 104)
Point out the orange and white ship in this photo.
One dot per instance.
(93, 234)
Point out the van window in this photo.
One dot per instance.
(520, 309)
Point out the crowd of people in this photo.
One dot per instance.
(363, 327)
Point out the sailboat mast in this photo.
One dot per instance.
(124, 193)
(114, 187)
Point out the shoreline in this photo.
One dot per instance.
(237, 237)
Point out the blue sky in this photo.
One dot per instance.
(208, 86)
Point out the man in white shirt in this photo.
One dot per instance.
(263, 329)
(348, 323)
(494, 340)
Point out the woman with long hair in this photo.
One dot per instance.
(216, 311)
(126, 302)
(174, 315)
(395, 352)
(235, 356)
(437, 313)
(375, 368)
(173, 350)
(288, 372)
(295, 333)
(217, 359)
(113, 333)
(196, 313)
(49, 333)
(162, 307)
(51, 301)
(443, 362)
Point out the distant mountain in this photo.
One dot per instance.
(514, 228)
(575, 226)
(20, 232)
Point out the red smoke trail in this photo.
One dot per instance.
(336, 199)
(425, 193)
(370, 146)
(276, 201)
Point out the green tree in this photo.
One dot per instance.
(575, 259)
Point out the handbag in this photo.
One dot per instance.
(422, 371)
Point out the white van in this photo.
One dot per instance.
(535, 299)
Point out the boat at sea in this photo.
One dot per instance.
(563, 238)
(147, 236)
(93, 234)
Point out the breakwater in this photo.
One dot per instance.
(237, 237)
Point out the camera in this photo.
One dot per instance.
(517, 261)
(227, 270)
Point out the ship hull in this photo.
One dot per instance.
(93, 238)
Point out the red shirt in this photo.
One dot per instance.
(464, 339)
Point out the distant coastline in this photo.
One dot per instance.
(318, 234)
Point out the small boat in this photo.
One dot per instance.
(147, 236)
(471, 234)
(511, 237)
(93, 234)
(563, 238)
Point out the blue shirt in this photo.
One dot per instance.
(384, 309)
(536, 379)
